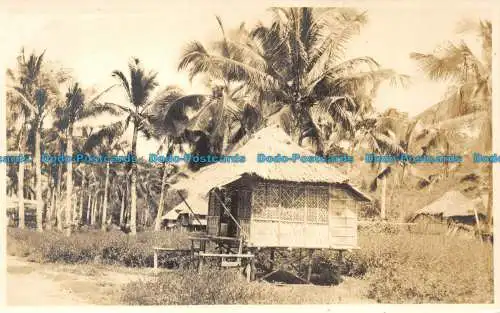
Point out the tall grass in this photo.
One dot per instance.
(399, 266)
(211, 286)
(113, 247)
(405, 267)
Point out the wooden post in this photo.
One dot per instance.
(272, 260)
(240, 250)
(382, 197)
(200, 263)
(478, 226)
(309, 265)
(155, 259)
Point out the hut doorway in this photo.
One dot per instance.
(225, 210)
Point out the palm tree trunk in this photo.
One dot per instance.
(489, 214)
(69, 183)
(50, 212)
(38, 186)
(20, 194)
(82, 192)
(122, 208)
(162, 197)
(89, 205)
(94, 209)
(133, 186)
(105, 202)
(382, 197)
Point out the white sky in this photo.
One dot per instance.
(94, 42)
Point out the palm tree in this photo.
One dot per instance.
(17, 131)
(469, 74)
(138, 91)
(377, 134)
(34, 94)
(294, 65)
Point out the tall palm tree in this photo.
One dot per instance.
(17, 131)
(296, 64)
(77, 109)
(34, 93)
(470, 77)
(138, 91)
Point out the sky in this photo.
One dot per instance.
(93, 39)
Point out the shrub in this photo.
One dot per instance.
(410, 268)
(191, 288)
(112, 247)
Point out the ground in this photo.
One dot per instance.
(60, 284)
(31, 283)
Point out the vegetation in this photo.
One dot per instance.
(292, 72)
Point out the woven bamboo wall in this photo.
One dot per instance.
(302, 215)
(279, 214)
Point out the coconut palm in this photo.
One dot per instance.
(296, 64)
(17, 131)
(138, 91)
(469, 74)
(34, 91)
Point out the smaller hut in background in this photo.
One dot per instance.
(453, 206)
(12, 211)
(191, 218)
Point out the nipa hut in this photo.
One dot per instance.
(453, 206)
(298, 205)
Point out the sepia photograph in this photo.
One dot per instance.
(232, 153)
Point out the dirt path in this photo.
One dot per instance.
(54, 284)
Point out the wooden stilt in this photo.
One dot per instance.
(271, 268)
(155, 259)
(309, 265)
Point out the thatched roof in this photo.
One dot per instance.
(452, 203)
(270, 141)
(197, 204)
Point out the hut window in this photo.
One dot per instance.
(317, 205)
(259, 199)
(244, 203)
(292, 203)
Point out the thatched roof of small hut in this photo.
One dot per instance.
(453, 203)
(270, 141)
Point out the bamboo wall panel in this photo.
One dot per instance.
(264, 234)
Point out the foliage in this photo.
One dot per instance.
(192, 288)
(112, 247)
(418, 268)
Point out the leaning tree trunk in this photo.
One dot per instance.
(133, 186)
(382, 197)
(69, 183)
(20, 194)
(159, 215)
(38, 186)
(105, 202)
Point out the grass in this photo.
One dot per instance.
(406, 267)
(112, 247)
(393, 265)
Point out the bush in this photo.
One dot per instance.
(112, 247)
(410, 268)
(191, 288)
